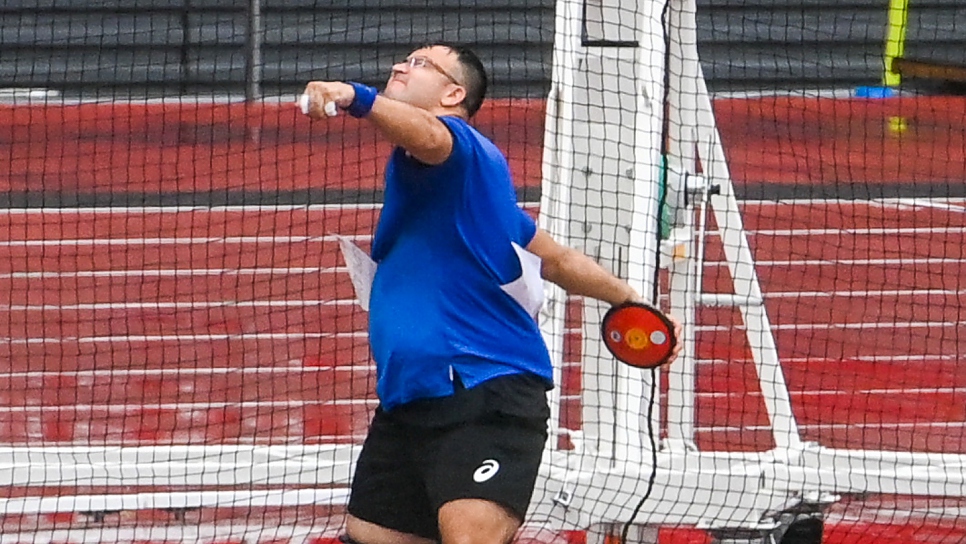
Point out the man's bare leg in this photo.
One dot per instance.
(476, 521)
(364, 532)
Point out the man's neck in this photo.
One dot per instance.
(448, 112)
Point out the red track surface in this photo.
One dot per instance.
(114, 148)
(115, 335)
(844, 142)
(170, 148)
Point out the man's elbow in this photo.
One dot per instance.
(435, 147)
(552, 269)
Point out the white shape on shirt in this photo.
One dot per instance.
(527, 290)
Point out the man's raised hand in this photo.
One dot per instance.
(324, 98)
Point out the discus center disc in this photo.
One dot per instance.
(636, 339)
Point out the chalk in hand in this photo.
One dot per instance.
(330, 108)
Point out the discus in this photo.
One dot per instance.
(638, 335)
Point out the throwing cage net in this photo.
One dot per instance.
(182, 354)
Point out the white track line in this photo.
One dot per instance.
(278, 271)
(183, 338)
(932, 199)
(849, 262)
(925, 203)
(857, 294)
(187, 405)
(365, 237)
(168, 241)
(842, 426)
(351, 369)
(918, 359)
(838, 392)
(854, 232)
(198, 305)
(186, 209)
(363, 334)
(295, 368)
(196, 240)
(867, 294)
(823, 326)
(174, 272)
(124, 210)
(164, 533)
(206, 209)
(905, 358)
(874, 262)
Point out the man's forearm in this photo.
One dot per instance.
(578, 274)
(416, 130)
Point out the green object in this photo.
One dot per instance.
(665, 211)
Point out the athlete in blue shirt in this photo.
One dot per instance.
(462, 370)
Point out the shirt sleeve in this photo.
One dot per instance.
(464, 142)
(463, 139)
(527, 229)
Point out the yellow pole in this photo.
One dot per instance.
(895, 39)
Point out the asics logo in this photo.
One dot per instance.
(486, 470)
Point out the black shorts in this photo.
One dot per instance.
(407, 471)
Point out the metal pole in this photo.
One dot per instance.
(253, 74)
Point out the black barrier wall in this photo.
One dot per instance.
(163, 47)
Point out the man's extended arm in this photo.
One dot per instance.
(416, 130)
(578, 274)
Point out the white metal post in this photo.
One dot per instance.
(682, 270)
(644, 247)
(558, 166)
(741, 264)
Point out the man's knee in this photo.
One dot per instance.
(359, 531)
(477, 521)
(346, 539)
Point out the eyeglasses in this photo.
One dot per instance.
(420, 61)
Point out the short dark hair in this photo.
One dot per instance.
(474, 76)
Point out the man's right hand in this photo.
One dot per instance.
(678, 331)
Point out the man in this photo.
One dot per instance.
(462, 371)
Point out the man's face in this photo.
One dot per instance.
(424, 77)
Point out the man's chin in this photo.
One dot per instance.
(394, 90)
(404, 98)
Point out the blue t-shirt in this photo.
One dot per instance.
(444, 248)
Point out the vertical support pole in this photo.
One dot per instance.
(682, 131)
(614, 184)
(895, 45)
(601, 191)
(609, 169)
(633, 395)
(253, 65)
(694, 137)
(557, 183)
(741, 265)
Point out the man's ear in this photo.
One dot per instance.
(454, 96)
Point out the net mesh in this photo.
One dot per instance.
(182, 357)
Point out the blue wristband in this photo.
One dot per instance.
(363, 101)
